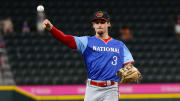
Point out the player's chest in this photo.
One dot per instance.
(104, 48)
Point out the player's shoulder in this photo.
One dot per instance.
(82, 36)
(91, 37)
(117, 41)
(85, 37)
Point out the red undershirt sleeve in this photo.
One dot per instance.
(68, 40)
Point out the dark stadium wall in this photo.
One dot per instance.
(6, 95)
(14, 93)
(10, 95)
(20, 97)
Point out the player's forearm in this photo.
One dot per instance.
(66, 39)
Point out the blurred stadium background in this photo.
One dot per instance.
(36, 58)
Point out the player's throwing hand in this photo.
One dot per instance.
(47, 24)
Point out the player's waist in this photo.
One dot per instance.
(102, 78)
(100, 83)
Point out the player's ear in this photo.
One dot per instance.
(93, 25)
(109, 24)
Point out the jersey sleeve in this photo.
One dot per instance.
(127, 56)
(81, 43)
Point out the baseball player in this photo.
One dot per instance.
(103, 57)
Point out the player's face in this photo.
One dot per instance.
(101, 26)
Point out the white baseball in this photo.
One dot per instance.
(40, 8)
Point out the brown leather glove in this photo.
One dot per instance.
(129, 74)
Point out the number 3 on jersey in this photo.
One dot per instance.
(114, 62)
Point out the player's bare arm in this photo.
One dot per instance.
(68, 40)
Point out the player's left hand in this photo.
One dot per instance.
(129, 74)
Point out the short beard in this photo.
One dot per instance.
(100, 32)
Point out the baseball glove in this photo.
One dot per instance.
(129, 74)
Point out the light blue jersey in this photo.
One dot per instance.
(103, 59)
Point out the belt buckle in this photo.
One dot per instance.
(108, 83)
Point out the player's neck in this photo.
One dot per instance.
(102, 36)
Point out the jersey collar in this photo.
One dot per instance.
(105, 40)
